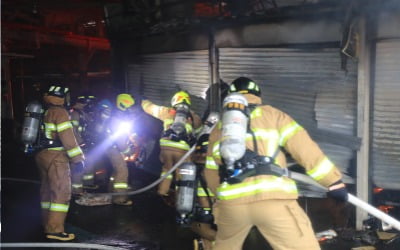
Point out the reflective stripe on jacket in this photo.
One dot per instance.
(272, 129)
(167, 115)
(59, 127)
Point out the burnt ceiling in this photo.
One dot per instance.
(55, 38)
(71, 38)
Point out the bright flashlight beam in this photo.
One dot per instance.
(123, 128)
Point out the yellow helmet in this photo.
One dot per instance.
(180, 97)
(124, 101)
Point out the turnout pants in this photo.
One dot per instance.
(55, 190)
(120, 174)
(206, 233)
(282, 223)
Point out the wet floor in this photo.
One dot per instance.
(149, 224)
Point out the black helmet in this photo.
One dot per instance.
(86, 98)
(58, 90)
(245, 85)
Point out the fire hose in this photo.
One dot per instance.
(294, 175)
(63, 245)
(351, 199)
(138, 191)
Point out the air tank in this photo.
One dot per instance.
(186, 188)
(234, 129)
(182, 113)
(31, 124)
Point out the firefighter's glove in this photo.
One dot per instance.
(191, 140)
(172, 135)
(78, 167)
(338, 191)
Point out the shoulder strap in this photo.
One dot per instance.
(252, 107)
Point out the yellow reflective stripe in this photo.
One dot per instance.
(167, 122)
(270, 136)
(74, 152)
(80, 128)
(74, 185)
(48, 128)
(188, 128)
(45, 204)
(121, 185)
(321, 170)
(88, 177)
(56, 148)
(168, 177)
(202, 193)
(216, 153)
(288, 131)
(257, 112)
(219, 125)
(145, 103)
(75, 123)
(264, 134)
(275, 184)
(210, 163)
(198, 130)
(181, 144)
(57, 207)
(252, 85)
(63, 126)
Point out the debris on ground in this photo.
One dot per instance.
(93, 200)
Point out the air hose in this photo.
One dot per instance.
(141, 190)
(63, 245)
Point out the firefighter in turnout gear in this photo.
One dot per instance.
(120, 129)
(59, 149)
(249, 180)
(202, 222)
(180, 126)
(80, 118)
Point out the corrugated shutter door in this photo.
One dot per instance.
(164, 74)
(307, 84)
(386, 116)
(133, 76)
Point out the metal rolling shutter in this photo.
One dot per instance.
(308, 84)
(164, 74)
(386, 116)
(133, 78)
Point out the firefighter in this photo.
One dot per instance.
(120, 132)
(203, 221)
(58, 148)
(248, 177)
(180, 126)
(81, 116)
